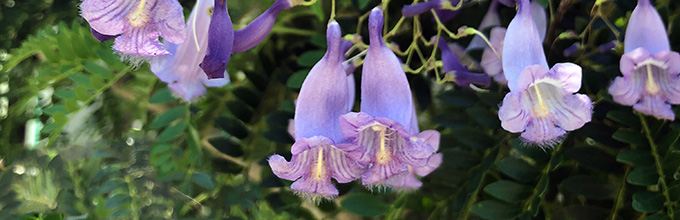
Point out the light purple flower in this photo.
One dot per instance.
(408, 181)
(386, 110)
(459, 73)
(180, 68)
(541, 103)
(491, 63)
(650, 81)
(318, 154)
(490, 19)
(136, 24)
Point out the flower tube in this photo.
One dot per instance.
(650, 81)
(459, 73)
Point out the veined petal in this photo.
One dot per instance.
(568, 74)
(513, 117)
(170, 20)
(522, 46)
(108, 17)
(324, 94)
(220, 42)
(530, 75)
(655, 106)
(432, 164)
(573, 112)
(315, 163)
(542, 132)
(646, 29)
(252, 34)
(491, 63)
(626, 91)
(405, 181)
(385, 92)
(139, 42)
(431, 138)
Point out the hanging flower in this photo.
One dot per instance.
(136, 24)
(491, 63)
(419, 8)
(180, 68)
(319, 153)
(457, 72)
(650, 81)
(386, 110)
(223, 41)
(541, 103)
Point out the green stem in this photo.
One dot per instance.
(659, 167)
(620, 196)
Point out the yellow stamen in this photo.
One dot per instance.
(139, 17)
(319, 166)
(382, 156)
(651, 87)
(541, 110)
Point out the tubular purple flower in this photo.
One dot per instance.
(316, 156)
(419, 8)
(386, 107)
(220, 42)
(541, 103)
(101, 37)
(650, 70)
(180, 68)
(408, 180)
(491, 19)
(252, 34)
(136, 24)
(454, 69)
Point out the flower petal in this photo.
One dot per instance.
(573, 112)
(655, 106)
(491, 19)
(101, 37)
(542, 132)
(432, 164)
(626, 91)
(108, 17)
(170, 20)
(530, 75)
(139, 42)
(569, 74)
(513, 117)
(415, 9)
(431, 138)
(288, 170)
(491, 63)
(220, 42)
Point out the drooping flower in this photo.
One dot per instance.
(319, 152)
(456, 71)
(419, 8)
(491, 63)
(650, 81)
(223, 41)
(180, 68)
(541, 103)
(490, 19)
(386, 110)
(136, 24)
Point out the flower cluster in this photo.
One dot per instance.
(381, 145)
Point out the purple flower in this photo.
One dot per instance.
(419, 8)
(571, 49)
(136, 24)
(491, 19)
(541, 103)
(491, 63)
(387, 105)
(255, 32)
(318, 155)
(220, 42)
(459, 73)
(650, 81)
(180, 68)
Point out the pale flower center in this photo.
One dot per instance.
(541, 109)
(318, 172)
(382, 156)
(543, 98)
(140, 17)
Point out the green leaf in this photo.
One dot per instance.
(543, 3)
(309, 58)
(484, 117)
(60, 118)
(161, 96)
(109, 58)
(295, 81)
(65, 94)
(508, 191)
(50, 110)
(658, 216)
(81, 93)
(474, 138)
(589, 187)
(643, 176)
(168, 116)
(97, 82)
(595, 158)
(203, 180)
(363, 3)
(518, 169)
(97, 69)
(580, 212)
(117, 200)
(636, 158)
(71, 105)
(317, 9)
(172, 132)
(457, 99)
(630, 137)
(159, 148)
(81, 79)
(492, 209)
(364, 204)
(626, 118)
(645, 201)
(671, 164)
